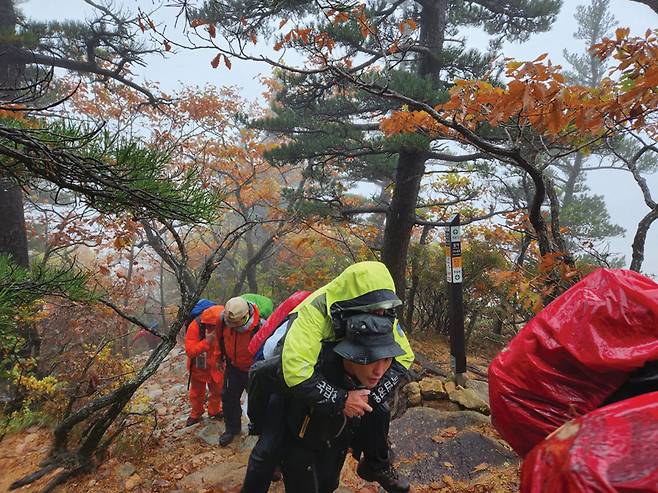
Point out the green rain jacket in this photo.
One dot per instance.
(362, 286)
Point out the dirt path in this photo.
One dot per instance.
(179, 459)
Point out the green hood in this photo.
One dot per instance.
(362, 285)
(359, 280)
(354, 282)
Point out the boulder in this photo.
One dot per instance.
(210, 434)
(154, 391)
(469, 399)
(425, 454)
(125, 470)
(481, 389)
(449, 386)
(132, 482)
(228, 475)
(412, 391)
(443, 405)
(431, 389)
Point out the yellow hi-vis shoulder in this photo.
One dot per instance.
(313, 322)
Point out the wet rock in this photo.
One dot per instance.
(412, 391)
(133, 482)
(125, 470)
(154, 392)
(248, 443)
(431, 388)
(443, 405)
(161, 483)
(458, 454)
(227, 474)
(469, 399)
(480, 388)
(210, 433)
(449, 386)
(29, 443)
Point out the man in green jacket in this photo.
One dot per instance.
(342, 356)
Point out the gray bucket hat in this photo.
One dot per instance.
(368, 338)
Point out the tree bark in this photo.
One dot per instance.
(641, 237)
(13, 236)
(572, 178)
(411, 163)
(411, 299)
(401, 218)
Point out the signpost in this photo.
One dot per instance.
(455, 277)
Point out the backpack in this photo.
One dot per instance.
(198, 309)
(265, 379)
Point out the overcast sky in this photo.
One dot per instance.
(193, 68)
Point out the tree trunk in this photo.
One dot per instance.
(13, 234)
(163, 313)
(250, 267)
(13, 237)
(411, 163)
(123, 340)
(411, 299)
(641, 237)
(572, 179)
(402, 216)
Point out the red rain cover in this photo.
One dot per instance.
(612, 449)
(278, 315)
(576, 352)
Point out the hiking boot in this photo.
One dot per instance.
(192, 421)
(388, 478)
(226, 438)
(218, 416)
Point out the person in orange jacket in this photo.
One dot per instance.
(239, 323)
(205, 364)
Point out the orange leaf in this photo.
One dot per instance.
(167, 46)
(197, 22)
(303, 33)
(227, 62)
(212, 30)
(407, 26)
(621, 33)
(215, 61)
(341, 17)
(283, 23)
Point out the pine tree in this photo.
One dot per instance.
(333, 126)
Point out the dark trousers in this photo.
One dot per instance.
(268, 451)
(235, 381)
(314, 470)
(371, 437)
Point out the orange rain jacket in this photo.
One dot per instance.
(236, 343)
(194, 346)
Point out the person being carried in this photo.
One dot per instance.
(341, 358)
(240, 320)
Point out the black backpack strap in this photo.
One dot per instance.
(202, 328)
(222, 347)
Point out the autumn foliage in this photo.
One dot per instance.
(538, 95)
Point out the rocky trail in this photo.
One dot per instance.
(438, 443)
